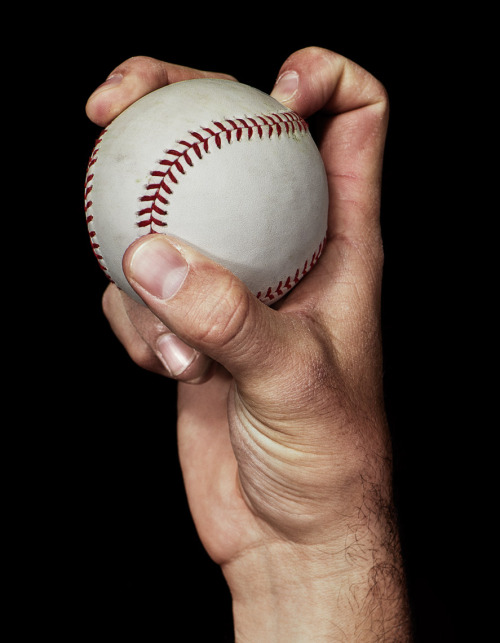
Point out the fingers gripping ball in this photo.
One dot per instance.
(222, 166)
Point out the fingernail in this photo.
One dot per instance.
(175, 354)
(158, 267)
(286, 86)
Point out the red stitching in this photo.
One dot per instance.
(282, 288)
(198, 143)
(176, 160)
(88, 204)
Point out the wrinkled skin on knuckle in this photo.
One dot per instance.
(219, 318)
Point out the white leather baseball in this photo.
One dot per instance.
(222, 166)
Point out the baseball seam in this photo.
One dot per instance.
(175, 163)
(88, 206)
(177, 159)
(283, 287)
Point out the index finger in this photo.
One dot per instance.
(133, 79)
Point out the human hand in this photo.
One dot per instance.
(283, 440)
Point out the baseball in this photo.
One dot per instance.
(220, 165)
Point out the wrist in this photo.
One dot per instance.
(280, 596)
(350, 588)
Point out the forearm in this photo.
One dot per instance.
(350, 588)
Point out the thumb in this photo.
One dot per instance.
(205, 305)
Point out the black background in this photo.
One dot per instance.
(102, 539)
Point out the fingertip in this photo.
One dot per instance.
(299, 84)
(181, 361)
(133, 79)
(128, 82)
(101, 106)
(154, 264)
(286, 86)
(175, 354)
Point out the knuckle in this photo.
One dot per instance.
(142, 355)
(220, 320)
